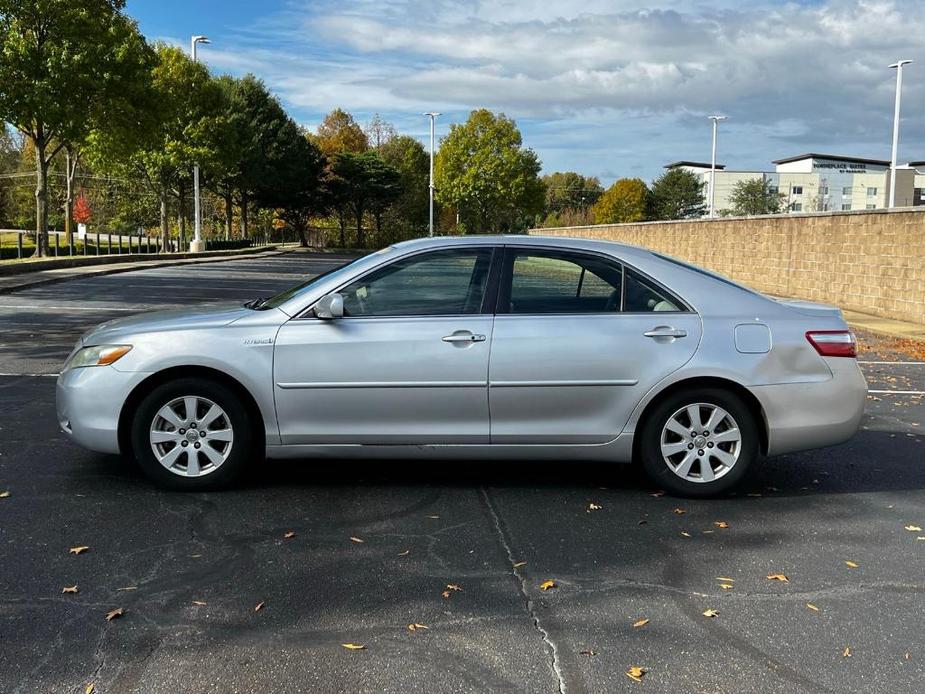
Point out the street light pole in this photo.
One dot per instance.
(899, 88)
(197, 246)
(716, 120)
(433, 116)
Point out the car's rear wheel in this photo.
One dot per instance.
(192, 434)
(699, 443)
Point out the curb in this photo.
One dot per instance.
(134, 266)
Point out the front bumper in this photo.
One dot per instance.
(802, 416)
(89, 402)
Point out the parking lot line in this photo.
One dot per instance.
(894, 363)
(896, 392)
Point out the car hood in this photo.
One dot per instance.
(162, 321)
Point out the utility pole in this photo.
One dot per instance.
(433, 116)
(716, 120)
(899, 88)
(197, 246)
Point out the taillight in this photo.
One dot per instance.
(833, 343)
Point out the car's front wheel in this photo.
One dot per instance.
(192, 434)
(699, 443)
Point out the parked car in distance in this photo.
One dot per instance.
(475, 347)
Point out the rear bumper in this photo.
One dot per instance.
(89, 402)
(801, 416)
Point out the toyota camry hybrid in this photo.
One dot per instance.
(493, 347)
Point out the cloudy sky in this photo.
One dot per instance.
(604, 87)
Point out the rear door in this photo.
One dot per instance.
(578, 340)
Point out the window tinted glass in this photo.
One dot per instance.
(642, 296)
(563, 283)
(430, 284)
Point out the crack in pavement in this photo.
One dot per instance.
(551, 647)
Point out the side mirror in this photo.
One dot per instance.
(330, 307)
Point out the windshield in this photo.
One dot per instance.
(283, 297)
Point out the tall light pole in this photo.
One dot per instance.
(433, 116)
(197, 245)
(716, 120)
(899, 88)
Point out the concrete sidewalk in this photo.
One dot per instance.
(14, 283)
(885, 326)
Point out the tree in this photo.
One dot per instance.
(567, 190)
(363, 183)
(754, 196)
(295, 187)
(339, 133)
(379, 133)
(185, 128)
(67, 67)
(625, 201)
(407, 216)
(484, 171)
(677, 194)
(82, 211)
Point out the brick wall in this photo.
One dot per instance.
(870, 261)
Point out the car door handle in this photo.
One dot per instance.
(463, 337)
(662, 331)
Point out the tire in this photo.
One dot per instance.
(218, 459)
(703, 470)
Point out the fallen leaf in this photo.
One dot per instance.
(640, 623)
(847, 653)
(127, 588)
(90, 688)
(812, 607)
(198, 602)
(416, 626)
(594, 507)
(445, 593)
(635, 673)
(289, 535)
(710, 613)
(913, 529)
(685, 534)
(657, 494)
(755, 495)
(452, 586)
(920, 538)
(679, 511)
(519, 564)
(357, 540)
(587, 652)
(721, 524)
(69, 589)
(259, 606)
(850, 564)
(724, 579)
(433, 517)
(405, 553)
(778, 577)
(4, 494)
(547, 584)
(726, 586)
(118, 612)
(78, 550)
(354, 646)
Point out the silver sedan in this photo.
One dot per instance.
(501, 348)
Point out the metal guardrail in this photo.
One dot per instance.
(99, 243)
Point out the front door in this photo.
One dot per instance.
(407, 364)
(578, 340)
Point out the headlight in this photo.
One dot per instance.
(98, 355)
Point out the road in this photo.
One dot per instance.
(190, 570)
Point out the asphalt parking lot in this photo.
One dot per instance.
(256, 590)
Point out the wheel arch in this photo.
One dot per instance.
(158, 378)
(754, 406)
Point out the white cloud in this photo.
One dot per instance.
(790, 76)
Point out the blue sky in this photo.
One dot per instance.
(604, 87)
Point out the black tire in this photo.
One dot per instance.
(658, 469)
(241, 448)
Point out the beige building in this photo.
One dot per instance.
(815, 182)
